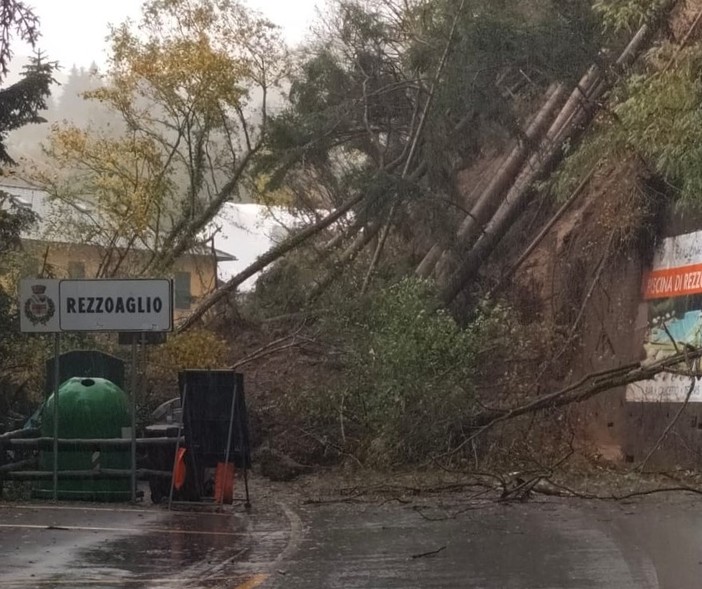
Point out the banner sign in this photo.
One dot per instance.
(672, 294)
(673, 282)
(140, 305)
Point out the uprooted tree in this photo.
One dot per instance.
(393, 97)
(367, 121)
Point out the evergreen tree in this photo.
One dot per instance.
(21, 102)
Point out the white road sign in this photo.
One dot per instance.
(115, 305)
(38, 305)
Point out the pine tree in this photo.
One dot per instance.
(21, 103)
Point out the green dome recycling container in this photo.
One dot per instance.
(89, 408)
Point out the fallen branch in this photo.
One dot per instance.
(587, 387)
(544, 231)
(669, 427)
(266, 259)
(278, 345)
(430, 553)
(568, 492)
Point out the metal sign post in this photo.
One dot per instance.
(229, 437)
(133, 412)
(57, 352)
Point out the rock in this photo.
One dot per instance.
(279, 467)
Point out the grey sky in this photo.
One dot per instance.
(73, 31)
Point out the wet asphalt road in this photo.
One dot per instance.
(546, 544)
(114, 547)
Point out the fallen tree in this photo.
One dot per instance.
(266, 259)
(588, 386)
(570, 122)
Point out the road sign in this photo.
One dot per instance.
(39, 306)
(116, 305)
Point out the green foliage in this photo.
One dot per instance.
(282, 288)
(13, 220)
(626, 15)
(21, 102)
(658, 118)
(377, 68)
(408, 372)
(19, 354)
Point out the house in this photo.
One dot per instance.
(250, 230)
(64, 244)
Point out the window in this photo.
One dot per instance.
(182, 290)
(76, 270)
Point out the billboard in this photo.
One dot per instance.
(672, 296)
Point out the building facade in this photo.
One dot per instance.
(68, 253)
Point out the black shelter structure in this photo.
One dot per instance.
(215, 426)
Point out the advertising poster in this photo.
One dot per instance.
(672, 293)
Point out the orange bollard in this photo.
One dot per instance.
(180, 471)
(224, 483)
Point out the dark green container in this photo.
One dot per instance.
(89, 408)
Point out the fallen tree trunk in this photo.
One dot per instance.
(266, 259)
(524, 176)
(349, 255)
(488, 201)
(510, 208)
(587, 387)
(544, 231)
(572, 119)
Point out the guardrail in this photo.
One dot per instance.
(85, 443)
(21, 442)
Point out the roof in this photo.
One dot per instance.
(81, 211)
(241, 232)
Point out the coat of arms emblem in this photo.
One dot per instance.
(39, 308)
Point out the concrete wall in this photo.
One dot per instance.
(564, 277)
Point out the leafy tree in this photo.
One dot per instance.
(655, 117)
(18, 354)
(626, 15)
(190, 85)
